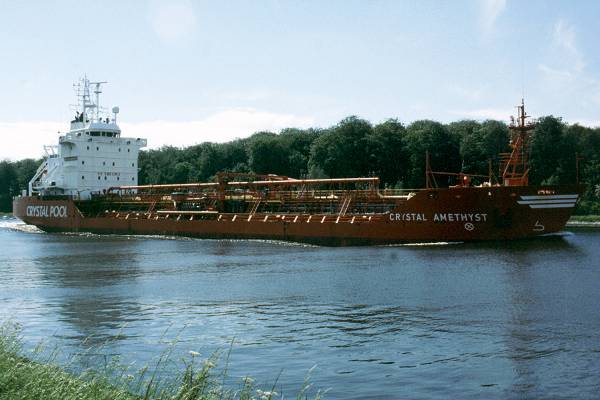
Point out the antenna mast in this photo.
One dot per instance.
(85, 102)
(97, 92)
(515, 165)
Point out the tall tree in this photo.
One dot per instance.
(267, 154)
(431, 136)
(8, 185)
(552, 152)
(343, 150)
(387, 155)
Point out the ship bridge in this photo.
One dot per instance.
(92, 156)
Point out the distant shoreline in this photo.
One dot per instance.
(587, 221)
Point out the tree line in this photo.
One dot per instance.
(354, 147)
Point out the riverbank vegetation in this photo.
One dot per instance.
(38, 376)
(354, 147)
(585, 218)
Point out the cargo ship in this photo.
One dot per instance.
(88, 183)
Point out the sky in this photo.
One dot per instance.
(184, 72)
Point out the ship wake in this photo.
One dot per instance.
(423, 244)
(14, 224)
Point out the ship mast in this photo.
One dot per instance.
(515, 165)
(90, 110)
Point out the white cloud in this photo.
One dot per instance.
(249, 96)
(484, 113)
(556, 74)
(489, 11)
(220, 127)
(464, 92)
(565, 75)
(172, 20)
(564, 37)
(26, 139)
(568, 64)
(585, 122)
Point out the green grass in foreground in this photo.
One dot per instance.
(26, 378)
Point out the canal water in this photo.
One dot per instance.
(444, 320)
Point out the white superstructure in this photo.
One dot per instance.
(92, 156)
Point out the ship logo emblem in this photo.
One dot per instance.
(538, 227)
(469, 226)
(549, 201)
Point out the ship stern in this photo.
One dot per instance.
(19, 207)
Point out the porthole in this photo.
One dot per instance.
(105, 177)
(97, 148)
(98, 177)
(82, 162)
(113, 163)
(82, 177)
(88, 147)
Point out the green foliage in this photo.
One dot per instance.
(480, 143)
(387, 155)
(37, 377)
(552, 153)
(354, 147)
(343, 150)
(435, 138)
(8, 184)
(267, 154)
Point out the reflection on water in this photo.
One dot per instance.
(493, 320)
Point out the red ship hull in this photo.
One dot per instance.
(431, 215)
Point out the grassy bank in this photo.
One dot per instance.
(585, 218)
(26, 378)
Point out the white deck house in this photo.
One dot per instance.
(92, 156)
